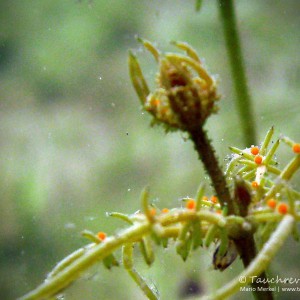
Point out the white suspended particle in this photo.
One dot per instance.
(70, 226)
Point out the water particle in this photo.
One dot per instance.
(90, 218)
(70, 226)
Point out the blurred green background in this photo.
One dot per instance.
(75, 144)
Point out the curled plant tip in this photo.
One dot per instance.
(186, 93)
(197, 235)
(121, 216)
(137, 78)
(199, 196)
(127, 252)
(148, 211)
(147, 250)
(150, 47)
(222, 261)
(267, 140)
(191, 52)
(210, 235)
(110, 261)
(183, 247)
(185, 239)
(91, 236)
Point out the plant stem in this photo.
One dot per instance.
(246, 245)
(72, 267)
(233, 45)
(207, 155)
(74, 270)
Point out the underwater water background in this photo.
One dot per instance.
(75, 143)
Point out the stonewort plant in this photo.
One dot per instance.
(254, 208)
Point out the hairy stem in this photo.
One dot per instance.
(233, 45)
(207, 155)
(246, 246)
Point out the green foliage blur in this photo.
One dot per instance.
(75, 144)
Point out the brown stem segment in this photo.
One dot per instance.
(245, 244)
(211, 164)
(247, 250)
